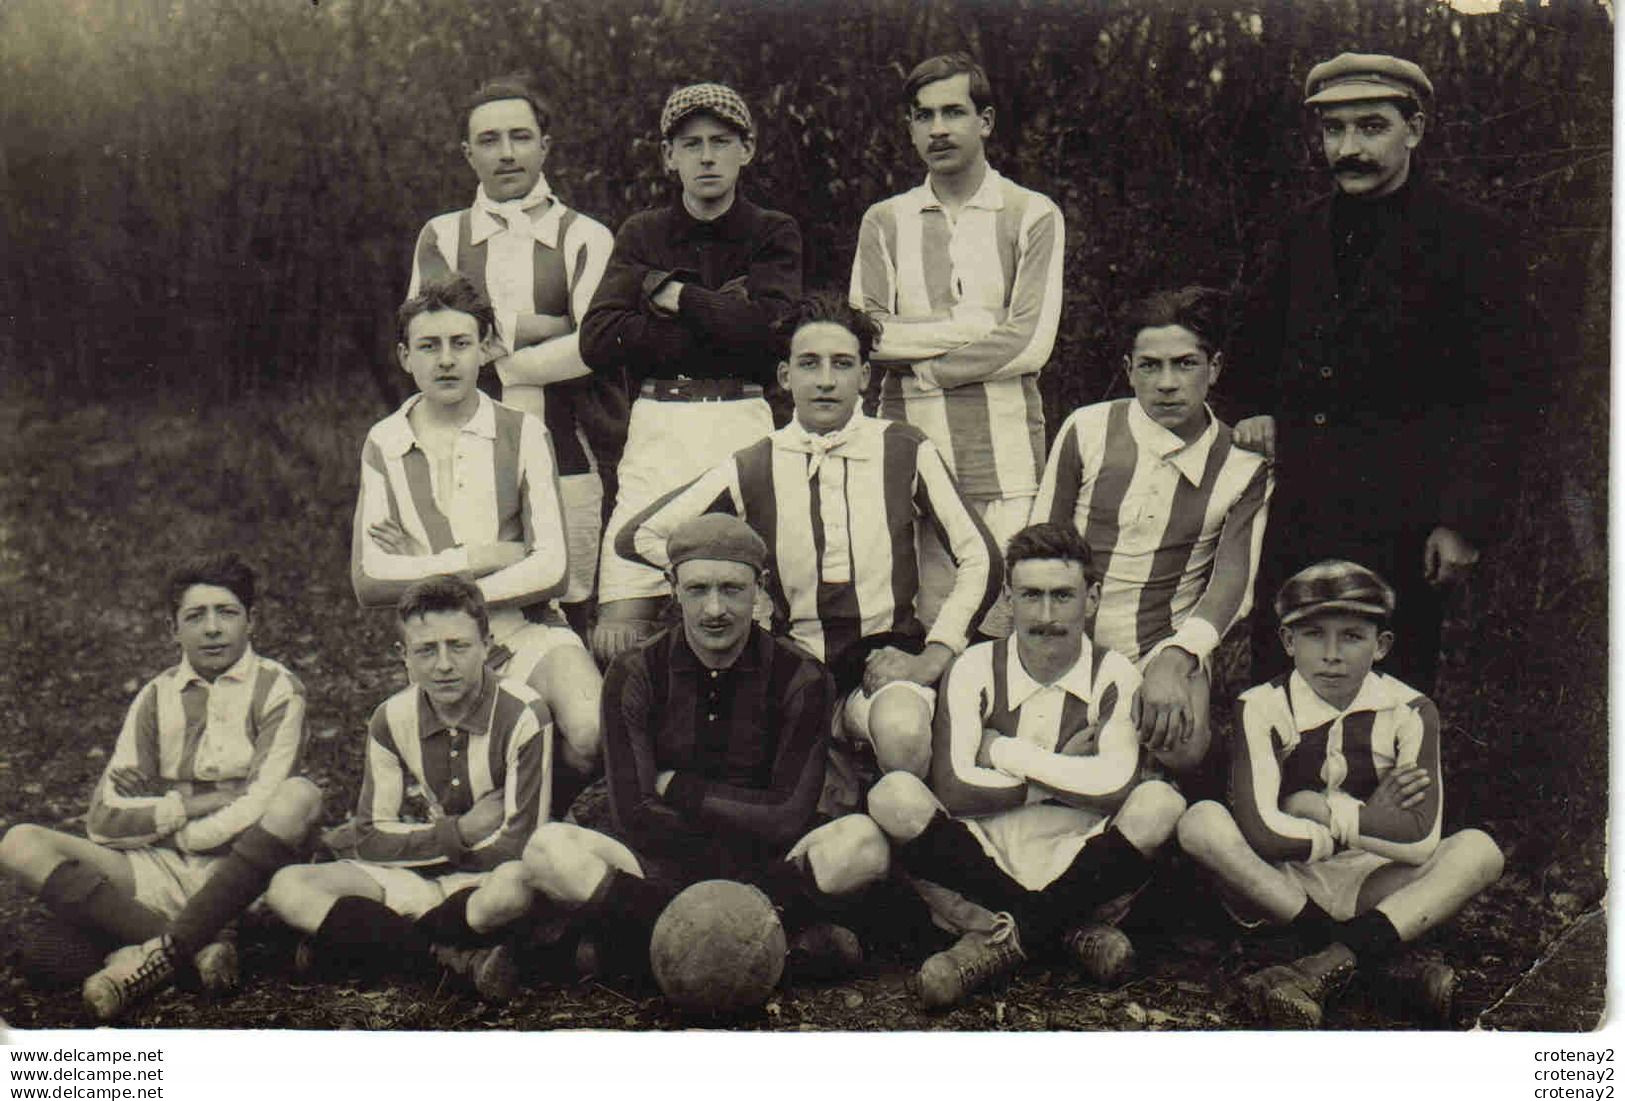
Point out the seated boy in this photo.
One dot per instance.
(470, 752)
(1336, 801)
(453, 482)
(715, 736)
(1036, 809)
(197, 807)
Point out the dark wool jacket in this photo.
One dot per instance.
(1401, 403)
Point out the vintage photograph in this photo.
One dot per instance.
(804, 515)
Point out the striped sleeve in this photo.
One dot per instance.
(874, 291)
(1061, 485)
(1229, 592)
(642, 539)
(1103, 778)
(527, 789)
(381, 835)
(978, 562)
(544, 571)
(429, 261)
(1410, 836)
(965, 788)
(377, 576)
(279, 736)
(1021, 343)
(120, 822)
(1255, 790)
(586, 252)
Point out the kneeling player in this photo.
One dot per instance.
(197, 808)
(1039, 812)
(715, 735)
(1337, 800)
(476, 749)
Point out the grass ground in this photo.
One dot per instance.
(96, 502)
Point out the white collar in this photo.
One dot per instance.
(395, 437)
(1078, 680)
(489, 217)
(858, 437)
(989, 196)
(1377, 693)
(1190, 459)
(239, 671)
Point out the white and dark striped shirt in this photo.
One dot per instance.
(417, 765)
(504, 489)
(970, 306)
(839, 515)
(245, 729)
(1174, 528)
(1078, 743)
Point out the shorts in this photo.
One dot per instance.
(582, 496)
(166, 879)
(1034, 844)
(411, 894)
(852, 770)
(668, 445)
(1004, 516)
(529, 644)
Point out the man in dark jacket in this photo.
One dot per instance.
(1388, 348)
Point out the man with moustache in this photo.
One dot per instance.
(1387, 347)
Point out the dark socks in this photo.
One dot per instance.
(78, 893)
(1313, 925)
(1371, 936)
(790, 886)
(235, 882)
(448, 923)
(368, 934)
(1107, 867)
(948, 854)
(628, 899)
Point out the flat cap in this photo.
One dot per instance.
(1334, 586)
(1347, 78)
(717, 537)
(716, 99)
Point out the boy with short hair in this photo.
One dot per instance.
(686, 308)
(475, 749)
(1337, 800)
(197, 807)
(453, 482)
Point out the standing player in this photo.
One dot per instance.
(1172, 511)
(1336, 804)
(964, 272)
(454, 482)
(197, 807)
(538, 262)
(455, 782)
(715, 736)
(1039, 812)
(687, 308)
(839, 498)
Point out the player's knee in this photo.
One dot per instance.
(1480, 857)
(1203, 828)
(295, 806)
(1151, 813)
(901, 805)
(900, 729)
(292, 892)
(22, 846)
(622, 624)
(502, 899)
(559, 865)
(848, 854)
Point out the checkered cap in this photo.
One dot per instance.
(719, 537)
(1348, 78)
(1334, 586)
(717, 99)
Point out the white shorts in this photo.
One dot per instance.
(530, 643)
(850, 772)
(412, 895)
(582, 496)
(668, 445)
(1034, 844)
(1004, 516)
(166, 879)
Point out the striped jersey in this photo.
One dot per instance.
(1175, 528)
(969, 307)
(1077, 741)
(839, 514)
(504, 489)
(245, 730)
(531, 255)
(418, 767)
(1294, 741)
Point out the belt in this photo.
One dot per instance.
(699, 389)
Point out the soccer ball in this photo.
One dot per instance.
(718, 948)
